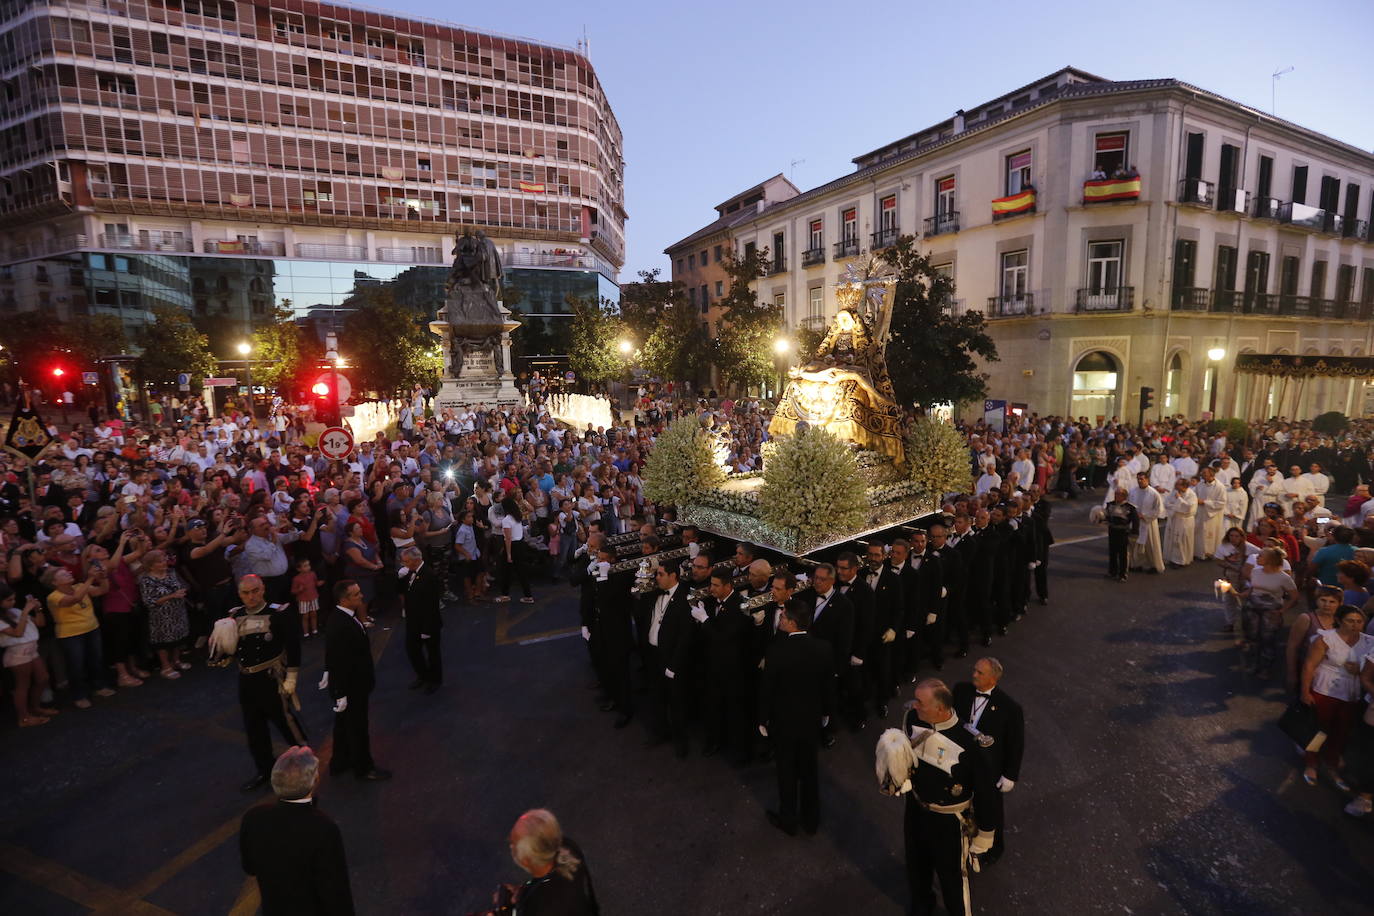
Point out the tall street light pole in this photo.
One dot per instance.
(246, 350)
(1215, 356)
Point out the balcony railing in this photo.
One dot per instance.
(847, 248)
(1303, 215)
(813, 322)
(269, 249)
(142, 243)
(1192, 299)
(349, 252)
(942, 223)
(884, 238)
(1233, 200)
(813, 256)
(1333, 223)
(1268, 207)
(1120, 299)
(1197, 192)
(1357, 229)
(419, 254)
(777, 265)
(1010, 306)
(1108, 190)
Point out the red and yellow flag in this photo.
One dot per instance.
(1022, 202)
(1111, 189)
(532, 187)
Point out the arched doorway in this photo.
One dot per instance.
(1096, 383)
(1173, 385)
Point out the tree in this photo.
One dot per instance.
(745, 346)
(277, 351)
(172, 345)
(930, 350)
(594, 348)
(33, 342)
(388, 345)
(643, 302)
(657, 312)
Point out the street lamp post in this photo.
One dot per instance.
(1215, 356)
(245, 350)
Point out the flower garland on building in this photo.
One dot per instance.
(812, 484)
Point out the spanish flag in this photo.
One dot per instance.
(1022, 202)
(532, 187)
(1111, 189)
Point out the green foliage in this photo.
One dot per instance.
(388, 345)
(681, 465)
(1331, 423)
(745, 346)
(593, 351)
(930, 351)
(172, 345)
(277, 351)
(811, 484)
(808, 341)
(34, 340)
(937, 457)
(644, 302)
(1236, 429)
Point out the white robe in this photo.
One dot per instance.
(1178, 532)
(1226, 474)
(1162, 476)
(1211, 507)
(1123, 478)
(985, 483)
(1262, 490)
(1236, 503)
(1185, 466)
(1319, 483)
(1146, 552)
(1294, 490)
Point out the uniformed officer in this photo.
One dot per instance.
(947, 815)
(268, 653)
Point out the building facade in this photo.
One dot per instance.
(1114, 234)
(698, 260)
(229, 156)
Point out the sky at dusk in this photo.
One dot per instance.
(714, 97)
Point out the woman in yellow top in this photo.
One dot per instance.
(78, 632)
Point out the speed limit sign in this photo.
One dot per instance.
(336, 443)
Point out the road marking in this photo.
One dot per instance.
(71, 884)
(549, 636)
(173, 866)
(505, 620)
(249, 899)
(1086, 537)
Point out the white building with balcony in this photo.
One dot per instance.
(1113, 233)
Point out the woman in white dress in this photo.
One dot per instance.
(1331, 686)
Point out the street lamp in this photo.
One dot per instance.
(245, 349)
(1215, 355)
(781, 347)
(625, 346)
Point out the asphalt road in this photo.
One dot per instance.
(1154, 782)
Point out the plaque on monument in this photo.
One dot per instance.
(475, 328)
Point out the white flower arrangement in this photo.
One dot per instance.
(812, 485)
(682, 465)
(893, 492)
(741, 502)
(938, 458)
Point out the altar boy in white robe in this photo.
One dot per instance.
(1181, 508)
(1211, 512)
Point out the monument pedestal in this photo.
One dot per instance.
(476, 359)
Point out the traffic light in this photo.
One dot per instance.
(326, 406)
(1147, 398)
(58, 372)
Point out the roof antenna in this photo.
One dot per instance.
(1274, 87)
(584, 44)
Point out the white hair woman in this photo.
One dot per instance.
(164, 595)
(559, 879)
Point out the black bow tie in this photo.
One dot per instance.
(981, 694)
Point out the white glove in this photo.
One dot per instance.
(825, 720)
(981, 843)
(324, 681)
(698, 613)
(944, 592)
(693, 549)
(931, 618)
(1004, 784)
(855, 660)
(761, 661)
(758, 618)
(910, 633)
(763, 730)
(668, 673)
(889, 635)
(1030, 565)
(586, 634)
(341, 704)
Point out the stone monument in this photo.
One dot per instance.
(475, 328)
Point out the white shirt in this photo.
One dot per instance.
(1185, 466)
(988, 481)
(1163, 476)
(822, 602)
(980, 703)
(660, 608)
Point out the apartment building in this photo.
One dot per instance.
(1114, 234)
(227, 156)
(697, 260)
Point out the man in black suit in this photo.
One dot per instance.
(832, 622)
(888, 609)
(956, 584)
(852, 680)
(293, 848)
(422, 584)
(904, 650)
(668, 647)
(982, 573)
(996, 720)
(927, 609)
(796, 698)
(348, 666)
(612, 631)
(724, 633)
(1040, 521)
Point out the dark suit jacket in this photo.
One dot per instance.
(863, 599)
(927, 582)
(348, 658)
(889, 603)
(610, 623)
(1004, 721)
(296, 852)
(675, 632)
(797, 689)
(424, 596)
(724, 638)
(835, 625)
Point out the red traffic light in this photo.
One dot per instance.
(321, 389)
(58, 371)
